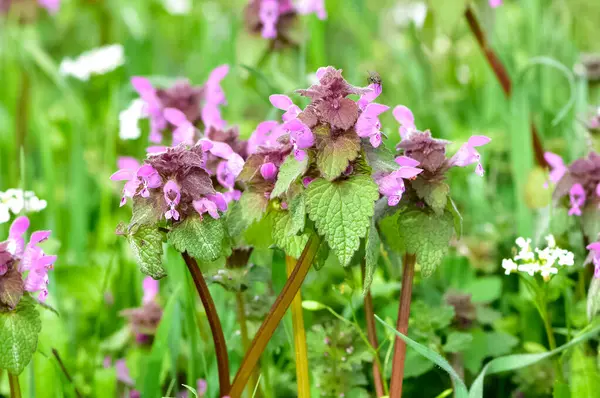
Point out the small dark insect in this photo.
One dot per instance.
(374, 78)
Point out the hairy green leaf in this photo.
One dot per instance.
(371, 256)
(322, 255)
(434, 194)
(297, 208)
(427, 235)
(204, 239)
(335, 154)
(380, 159)
(341, 212)
(252, 206)
(289, 171)
(144, 212)
(146, 245)
(283, 235)
(19, 331)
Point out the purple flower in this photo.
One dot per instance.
(184, 130)
(123, 372)
(214, 94)
(367, 98)
(201, 387)
(153, 107)
(16, 242)
(127, 172)
(577, 197)
(301, 137)
(148, 178)
(392, 185)
(284, 103)
(405, 117)
(594, 249)
(51, 5)
(268, 171)
(310, 6)
(495, 3)
(211, 117)
(368, 124)
(269, 15)
(150, 287)
(558, 168)
(172, 195)
(306, 181)
(205, 205)
(266, 134)
(467, 154)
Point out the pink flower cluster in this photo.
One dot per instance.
(27, 258)
(156, 106)
(270, 11)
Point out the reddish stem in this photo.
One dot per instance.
(372, 335)
(402, 326)
(213, 321)
(503, 78)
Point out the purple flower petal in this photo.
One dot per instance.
(221, 149)
(269, 15)
(407, 172)
(123, 372)
(220, 200)
(150, 287)
(268, 171)
(577, 198)
(205, 205)
(281, 101)
(127, 163)
(406, 161)
(367, 98)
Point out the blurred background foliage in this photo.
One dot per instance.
(71, 143)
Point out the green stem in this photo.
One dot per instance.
(380, 388)
(15, 387)
(213, 321)
(274, 316)
(65, 371)
(402, 326)
(302, 375)
(22, 111)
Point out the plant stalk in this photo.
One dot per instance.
(213, 321)
(15, 387)
(408, 274)
(372, 334)
(241, 307)
(22, 111)
(65, 371)
(274, 316)
(503, 78)
(302, 375)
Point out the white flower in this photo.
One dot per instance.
(94, 62)
(129, 118)
(543, 261)
(403, 14)
(509, 266)
(177, 7)
(16, 201)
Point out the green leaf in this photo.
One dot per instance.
(19, 331)
(585, 379)
(253, 205)
(311, 305)
(448, 13)
(204, 239)
(434, 194)
(341, 211)
(460, 388)
(518, 361)
(144, 212)
(426, 235)
(335, 155)
(322, 255)
(371, 256)
(284, 238)
(487, 344)
(456, 217)
(415, 364)
(380, 159)
(297, 214)
(457, 341)
(391, 233)
(289, 171)
(560, 389)
(146, 245)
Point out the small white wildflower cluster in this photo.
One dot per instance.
(543, 261)
(16, 201)
(94, 62)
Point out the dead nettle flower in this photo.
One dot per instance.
(580, 180)
(180, 107)
(18, 260)
(176, 181)
(145, 319)
(419, 148)
(594, 249)
(273, 18)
